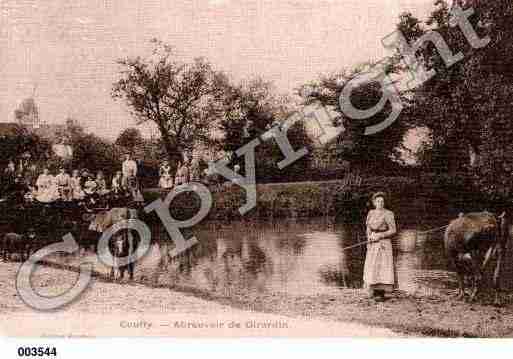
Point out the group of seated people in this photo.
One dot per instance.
(50, 187)
(45, 186)
(62, 186)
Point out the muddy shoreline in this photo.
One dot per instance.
(436, 315)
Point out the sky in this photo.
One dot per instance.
(65, 51)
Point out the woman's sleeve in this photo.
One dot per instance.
(392, 228)
(367, 228)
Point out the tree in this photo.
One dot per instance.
(12, 147)
(250, 109)
(363, 153)
(180, 98)
(130, 138)
(95, 154)
(467, 107)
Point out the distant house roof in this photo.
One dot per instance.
(10, 129)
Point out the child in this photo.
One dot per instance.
(76, 186)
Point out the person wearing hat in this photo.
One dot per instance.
(64, 184)
(129, 170)
(166, 180)
(378, 273)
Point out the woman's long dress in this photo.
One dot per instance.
(76, 188)
(166, 181)
(378, 273)
(116, 184)
(101, 187)
(90, 187)
(47, 189)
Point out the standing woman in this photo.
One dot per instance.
(166, 180)
(378, 273)
(76, 186)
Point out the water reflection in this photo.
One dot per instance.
(301, 258)
(296, 257)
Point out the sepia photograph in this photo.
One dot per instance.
(255, 168)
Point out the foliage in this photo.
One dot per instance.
(467, 107)
(179, 98)
(12, 147)
(129, 138)
(250, 110)
(94, 153)
(369, 153)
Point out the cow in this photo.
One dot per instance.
(471, 242)
(122, 244)
(21, 244)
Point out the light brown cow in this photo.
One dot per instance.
(471, 241)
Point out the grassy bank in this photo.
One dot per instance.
(347, 199)
(342, 198)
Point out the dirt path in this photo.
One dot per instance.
(109, 309)
(106, 307)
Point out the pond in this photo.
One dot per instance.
(297, 257)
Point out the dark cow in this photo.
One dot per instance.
(123, 245)
(21, 244)
(471, 242)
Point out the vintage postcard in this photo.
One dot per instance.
(256, 168)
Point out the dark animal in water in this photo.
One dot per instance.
(17, 243)
(122, 246)
(471, 242)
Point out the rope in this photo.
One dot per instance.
(366, 242)
(360, 244)
(433, 230)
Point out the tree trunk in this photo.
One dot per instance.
(173, 155)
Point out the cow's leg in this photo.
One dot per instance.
(122, 272)
(461, 285)
(496, 276)
(477, 275)
(28, 252)
(112, 270)
(131, 270)
(7, 251)
(460, 264)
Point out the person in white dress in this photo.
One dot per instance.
(90, 186)
(63, 181)
(378, 273)
(181, 175)
(166, 180)
(129, 170)
(76, 186)
(101, 184)
(116, 182)
(44, 185)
